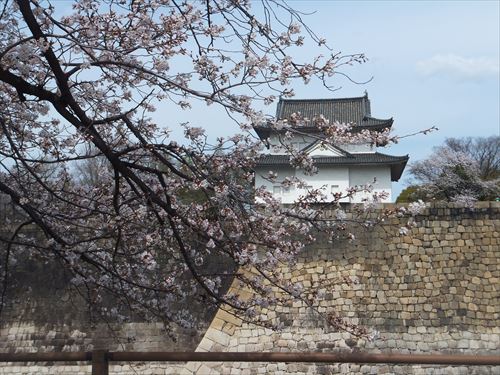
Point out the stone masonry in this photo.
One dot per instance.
(435, 290)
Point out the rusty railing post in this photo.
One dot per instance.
(100, 363)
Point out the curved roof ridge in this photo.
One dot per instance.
(392, 156)
(321, 99)
(379, 119)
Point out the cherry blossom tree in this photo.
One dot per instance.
(90, 80)
(462, 170)
(484, 152)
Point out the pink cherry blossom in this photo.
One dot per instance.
(127, 211)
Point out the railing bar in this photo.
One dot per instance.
(46, 357)
(100, 362)
(450, 359)
(343, 357)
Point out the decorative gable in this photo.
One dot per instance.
(320, 148)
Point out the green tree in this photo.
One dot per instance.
(411, 194)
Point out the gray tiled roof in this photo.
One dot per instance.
(364, 158)
(397, 163)
(345, 110)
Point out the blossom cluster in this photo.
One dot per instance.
(126, 210)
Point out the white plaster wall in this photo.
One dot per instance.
(358, 148)
(298, 141)
(328, 179)
(361, 175)
(262, 173)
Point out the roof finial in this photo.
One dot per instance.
(366, 93)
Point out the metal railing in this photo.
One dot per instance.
(100, 359)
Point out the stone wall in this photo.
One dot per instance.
(435, 290)
(43, 314)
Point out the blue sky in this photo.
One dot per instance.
(433, 63)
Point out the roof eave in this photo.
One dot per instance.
(263, 132)
(384, 124)
(397, 170)
(397, 166)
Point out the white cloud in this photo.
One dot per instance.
(460, 67)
